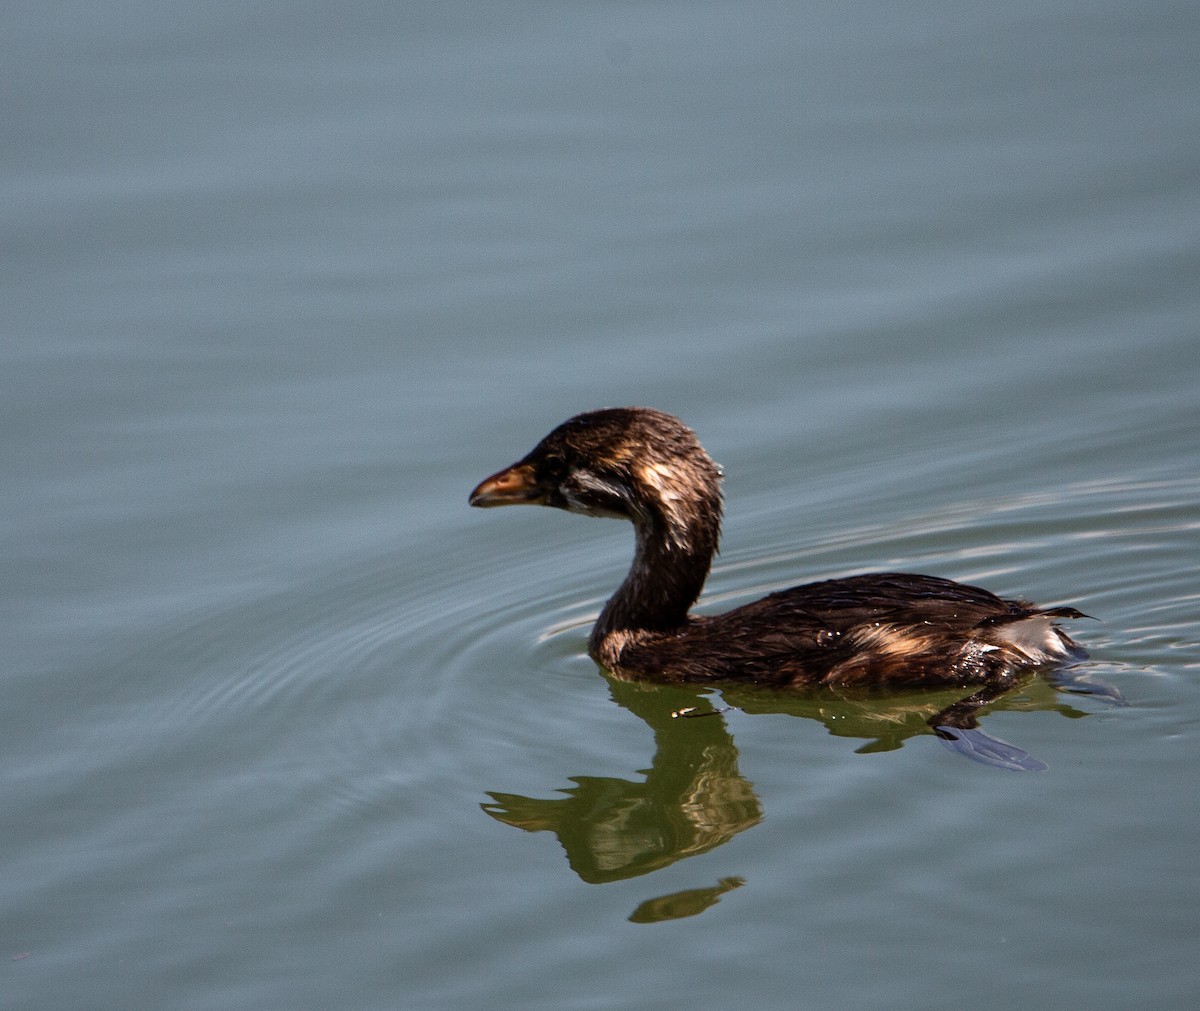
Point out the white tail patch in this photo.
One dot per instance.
(1035, 637)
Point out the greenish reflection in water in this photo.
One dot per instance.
(689, 902)
(693, 798)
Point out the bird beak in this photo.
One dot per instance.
(515, 485)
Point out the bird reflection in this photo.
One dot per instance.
(677, 905)
(693, 798)
(887, 719)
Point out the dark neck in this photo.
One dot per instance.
(665, 580)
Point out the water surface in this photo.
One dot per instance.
(285, 723)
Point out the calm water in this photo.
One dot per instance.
(285, 724)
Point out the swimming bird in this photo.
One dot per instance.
(887, 628)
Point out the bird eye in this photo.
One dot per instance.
(554, 467)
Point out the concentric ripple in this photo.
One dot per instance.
(412, 670)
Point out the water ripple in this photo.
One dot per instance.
(388, 688)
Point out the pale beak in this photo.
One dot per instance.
(515, 485)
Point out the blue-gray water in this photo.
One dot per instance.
(285, 724)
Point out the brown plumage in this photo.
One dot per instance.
(884, 628)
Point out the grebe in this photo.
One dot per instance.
(645, 466)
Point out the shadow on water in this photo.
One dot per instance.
(693, 798)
